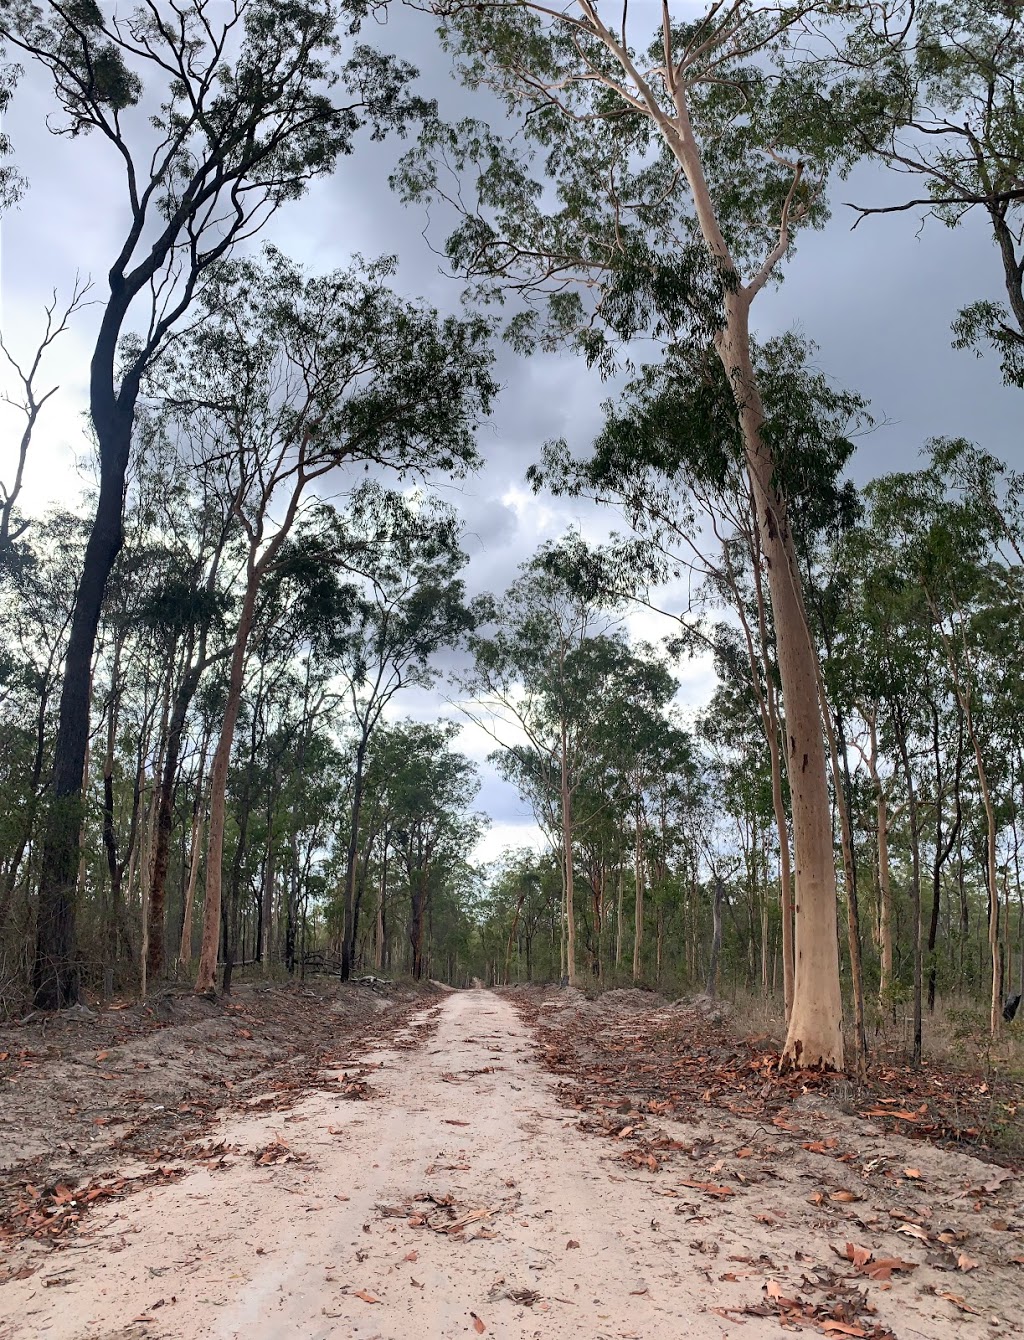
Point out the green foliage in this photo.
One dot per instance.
(586, 205)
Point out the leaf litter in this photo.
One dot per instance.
(627, 1059)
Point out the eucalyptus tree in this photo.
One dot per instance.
(409, 606)
(216, 114)
(296, 377)
(36, 602)
(670, 457)
(946, 548)
(521, 690)
(430, 787)
(12, 183)
(948, 76)
(682, 167)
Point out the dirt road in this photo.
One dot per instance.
(458, 1200)
(287, 1249)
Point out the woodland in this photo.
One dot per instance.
(209, 761)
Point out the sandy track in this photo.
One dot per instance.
(276, 1251)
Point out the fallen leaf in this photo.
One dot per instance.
(882, 1268)
(366, 1297)
(858, 1255)
(450, 1121)
(957, 1300)
(843, 1196)
(478, 1325)
(888, 1112)
(997, 1179)
(411, 1256)
(965, 1263)
(710, 1189)
(912, 1173)
(571, 1243)
(842, 1328)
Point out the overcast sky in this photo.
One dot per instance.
(878, 301)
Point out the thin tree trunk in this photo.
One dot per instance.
(772, 735)
(638, 896)
(348, 931)
(915, 864)
(711, 986)
(567, 856)
(618, 917)
(267, 903)
(165, 814)
(206, 976)
(850, 880)
(884, 884)
(195, 860)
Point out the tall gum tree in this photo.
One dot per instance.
(674, 178)
(521, 692)
(671, 458)
(218, 111)
(299, 376)
(411, 605)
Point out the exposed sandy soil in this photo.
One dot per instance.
(132, 1087)
(463, 1198)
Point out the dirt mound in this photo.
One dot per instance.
(132, 1083)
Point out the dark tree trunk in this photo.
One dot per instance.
(165, 820)
(419, 907)
(348, 930)
(942, 850)
(915, 868)
(55, 975)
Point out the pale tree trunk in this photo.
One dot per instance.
(82, 862)
(195, 860)
(267, 915)
(915, 875)
(711, 986)
(778, 803)
(850, 880)
(618, 918)
(570, 917)
(815, 1034)
(206, 976)
(995, 1007)
(638, 896)
(884, 885)
(147, 870)
(378, 939)
(964, 695)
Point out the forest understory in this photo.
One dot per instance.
(590, 1167)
